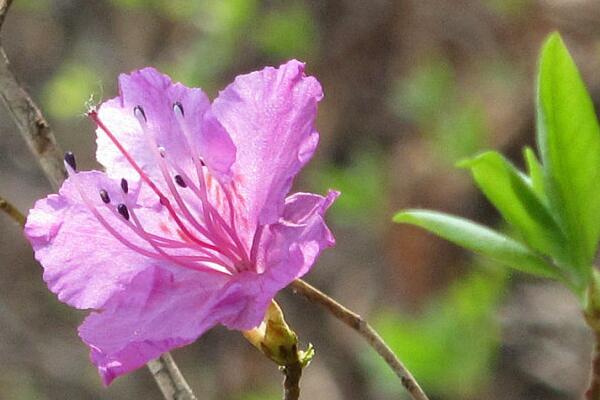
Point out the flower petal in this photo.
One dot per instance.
(83, 263)
(163, 310)
(269, 115)
(292, 245)
(157, 94)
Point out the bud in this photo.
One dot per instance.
(274, 338)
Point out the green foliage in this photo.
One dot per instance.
(480, 239)
(512, 194)
(458, 327)
(555, 207)
(66, 94)
(535, 173)
(569, 140)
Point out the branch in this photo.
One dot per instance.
(169, 378)
(291, 381)
(29, 119)
(12, 211)
(361, 326)
(593, 391)
(41, 140)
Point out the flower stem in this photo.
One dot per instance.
(12, 211)
(291, 381)
(593, 391)
(361, 326)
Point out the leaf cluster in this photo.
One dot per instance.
(553, 208)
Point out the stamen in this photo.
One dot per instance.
(125, 185)
(138, 111)
(104, 196)
(222, 245)
(93, 114)
(178, 108)
(179, 180)
(122, 209)
(70, 159)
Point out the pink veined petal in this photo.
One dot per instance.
(83, 263)
(162, 310)
(290, 247)
(157, 95)
(269, 115)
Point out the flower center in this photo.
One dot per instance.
(206, 239)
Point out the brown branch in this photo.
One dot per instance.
(29, 119)
(12, 211)
(361, 326)
(291, 381)
(41, 140)
(593, 391)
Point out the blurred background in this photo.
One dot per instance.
(412, 86)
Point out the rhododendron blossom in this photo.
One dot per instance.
(191, 224)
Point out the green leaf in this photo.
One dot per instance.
(480, 239)
(536, 173)
(510, 192)
(569, 139)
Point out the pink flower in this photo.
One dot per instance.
(190, 226)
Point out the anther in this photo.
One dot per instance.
(122, 209)
(202, 163)
(70, 159)
(179, 180)
(178, 108)
(161, 151)
(138, 111)
(104, 196)
(124, 185)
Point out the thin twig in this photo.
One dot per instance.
(12, 211)
(29, 119)
(41, 140)
(291, 381)
(361, 326)
(169, 378)
(593, 391)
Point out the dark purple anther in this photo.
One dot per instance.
(202, 163)
(70, 159)
(124, 185)
(104, 196)
(179, 180)
(122, 209)
(177, 107)
(139, 110)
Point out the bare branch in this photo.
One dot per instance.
(12, 211)
(41, 140)
(291, 381)
(169, 378)
(361, 326)
(29, 119)
(4, 6)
